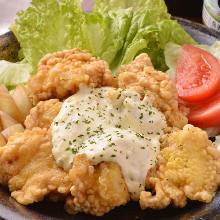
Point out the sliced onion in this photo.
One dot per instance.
(8, 105)
(7, 120)
(12, 130)
(2, 140)
(22, 101)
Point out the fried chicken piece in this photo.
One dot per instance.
(96, 189)
(43, 114)
(141, 76)
(186, 169)
(60, 74)
(29, 169)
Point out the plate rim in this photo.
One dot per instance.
(203, 28)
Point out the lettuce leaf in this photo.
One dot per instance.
(172, 53)
(153, 39)
(104, 34)
(12, 74)
(116, 31)
(158, 6)
(47, 26)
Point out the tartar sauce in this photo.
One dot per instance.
(109, 124)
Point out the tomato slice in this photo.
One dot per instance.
(197, 74)
(207, 114)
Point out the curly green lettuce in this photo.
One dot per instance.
(13, 74)
(113, 30)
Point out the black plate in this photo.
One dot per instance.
(11, 210)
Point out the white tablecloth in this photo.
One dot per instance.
(8, 10)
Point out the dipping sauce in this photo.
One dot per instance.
(110, 124)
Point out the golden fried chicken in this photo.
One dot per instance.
(43, 114)
(30, 171)
(186, 169)
(141, 76)
(96, 189)
(188, 165)
(28, 167)
(60, 74)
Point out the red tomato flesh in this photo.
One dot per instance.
(197, 74)
(207, 114)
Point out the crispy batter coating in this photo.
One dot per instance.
(186, 170)
(60, 74)
(141, 76)
(96, 189)
(30, 171)
(43, 114)
(188, 165)
(28, 167)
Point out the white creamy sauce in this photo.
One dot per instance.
(109, 124)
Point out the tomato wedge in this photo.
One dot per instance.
(197, 74)
(207, 114)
